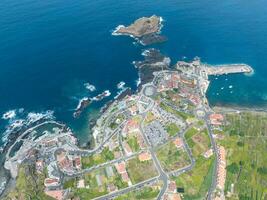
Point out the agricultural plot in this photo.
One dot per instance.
(139, 171)
(96, 183)
(146, 193)
(198, 141)
(96, 159)
(196, 183)
(171, 157)
(245, 140)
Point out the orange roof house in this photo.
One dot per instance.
(56, 194)
(216, 119)
(172, 187)
(178, 142)
(144, 156)
(208, 153)
(125, 177)
(49, 182)
(120, 167)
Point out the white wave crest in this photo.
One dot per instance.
(90, 87)
(121, 85)
(115, 32)
(11, 114)
(138, 81)
(33, 117)
(17, 124)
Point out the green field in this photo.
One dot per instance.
(172, 129)
(146, 193)
(172, 158)
(196, 183)
(245, 140)
(92, 189)
(179, 114)
(198, 141)
(132, 141)
(140, 171)
(96, 159)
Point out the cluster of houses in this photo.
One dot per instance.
(121, 169)
(56, 155)
(132, 129)
(221, 173)
(216, 119)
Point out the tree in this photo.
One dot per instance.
(233, 168)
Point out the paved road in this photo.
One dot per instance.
(128, 189)
(163, 176)
(215, 150)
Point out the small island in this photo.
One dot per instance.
(141, 27)
(145, 30)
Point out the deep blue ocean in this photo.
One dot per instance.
(49, 49)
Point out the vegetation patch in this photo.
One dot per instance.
(95, 184)
(146, 193)
(96, 159)
(172, 129)
(244, 139)
(132, 141)
(140, 171)
(29, 184)
(172, 158)
(196, 183)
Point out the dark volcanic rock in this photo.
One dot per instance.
(154, 61)
(152, 39)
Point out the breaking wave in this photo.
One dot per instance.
(19, 119)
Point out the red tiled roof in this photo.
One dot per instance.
(56, 194)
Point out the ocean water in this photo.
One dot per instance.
(50, 49)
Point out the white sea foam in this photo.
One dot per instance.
(80, 102)
(115, 32)
(33, 116)
(90, 87)
(145, 52)
(101, 96)
(138, 81)
(11, 114)
(121, 85)
(17, 124)
(161, 20)
(107, 93)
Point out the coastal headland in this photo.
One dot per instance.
(131, 136)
